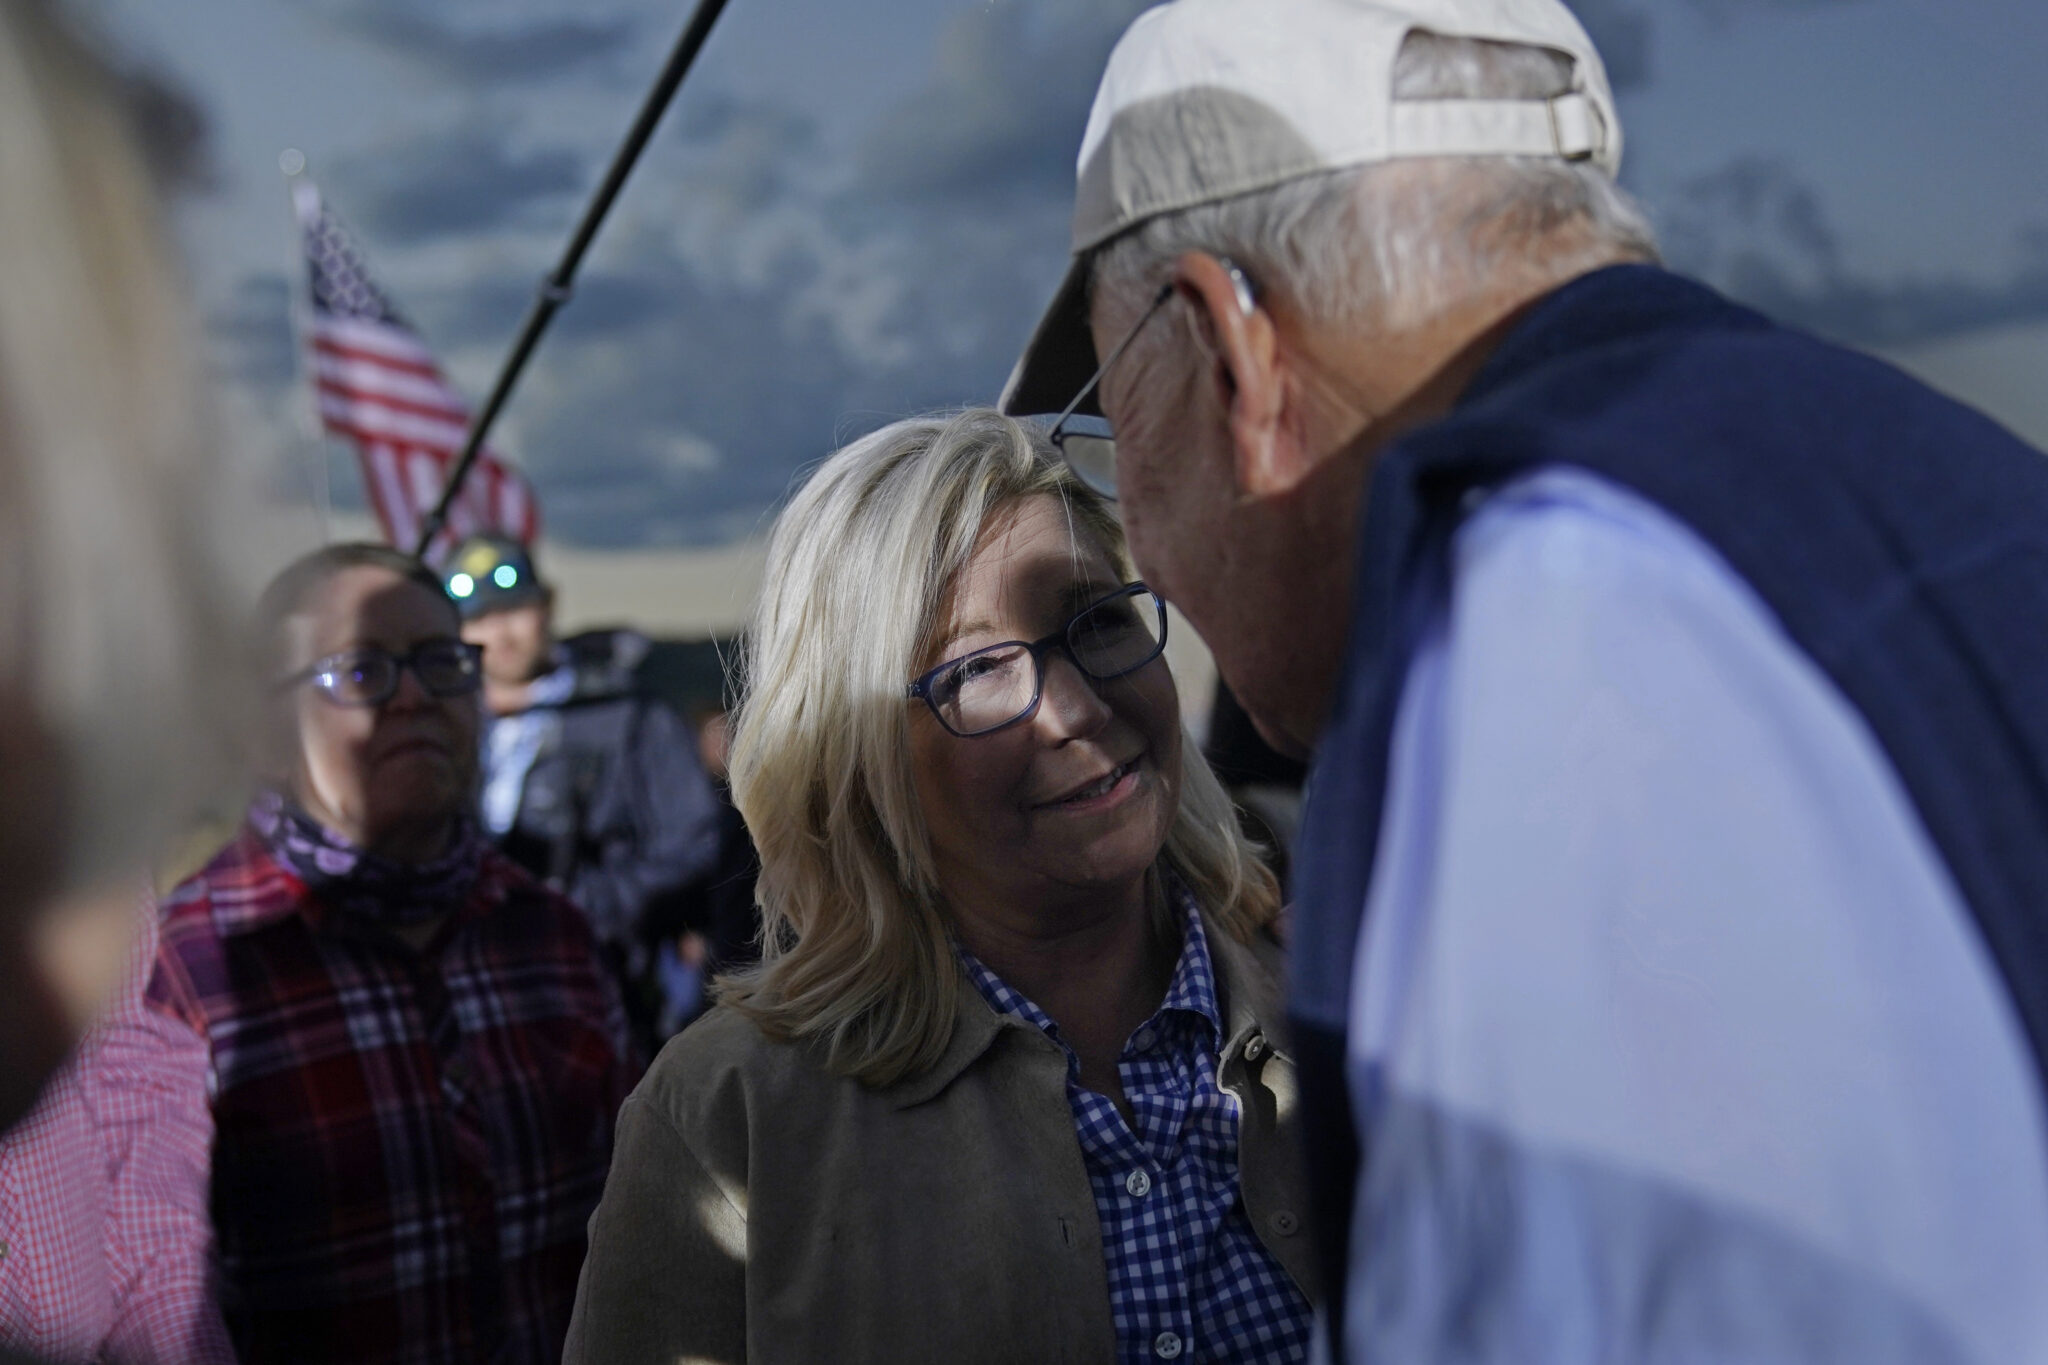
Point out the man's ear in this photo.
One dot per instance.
(1246, 370)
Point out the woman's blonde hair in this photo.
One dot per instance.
(115, 646)
(855, 949)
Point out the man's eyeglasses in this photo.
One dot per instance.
(995, 687)
(1086, 443)
(369, 676)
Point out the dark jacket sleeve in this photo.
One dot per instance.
(658, 826)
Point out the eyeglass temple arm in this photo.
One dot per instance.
(1158, 300)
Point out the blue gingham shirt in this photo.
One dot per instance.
(1188, 1278)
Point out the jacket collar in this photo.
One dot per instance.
(1248, 991)
(1615, 305)
(975, 1029)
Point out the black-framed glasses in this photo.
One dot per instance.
(997, 686)
(1086, 443)
(369, 676)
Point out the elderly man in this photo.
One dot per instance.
(1670, 937)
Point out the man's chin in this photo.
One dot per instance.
(1281, 741)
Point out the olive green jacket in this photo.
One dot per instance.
(762, 1209)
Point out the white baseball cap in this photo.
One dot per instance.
(1207, 99)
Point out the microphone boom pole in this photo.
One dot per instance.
(560, 283)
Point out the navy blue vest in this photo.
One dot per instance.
(1900, 538)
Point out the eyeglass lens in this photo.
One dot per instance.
(369, 677)
(1085, 443)
(1090, 451)
(990, 688)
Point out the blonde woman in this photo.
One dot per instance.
(1006, 1084)
(112, 709)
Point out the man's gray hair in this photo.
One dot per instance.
(1385, 246)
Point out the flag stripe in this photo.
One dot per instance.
(374, 381)
(378, 422)
(352, 399)
(326, 346)
(394, 508)
(379, 339)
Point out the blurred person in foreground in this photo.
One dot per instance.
(1669, 941)
(111, 733)
(588, 783)
(1006, 1084)
(417, 1057)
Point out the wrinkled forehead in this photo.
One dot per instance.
(1033, 555)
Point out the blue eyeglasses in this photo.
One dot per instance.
(369, 676)
(995, 687)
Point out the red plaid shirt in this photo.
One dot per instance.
(409, 1143)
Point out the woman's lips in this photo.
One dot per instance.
(1104, 791)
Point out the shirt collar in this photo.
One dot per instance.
(554, 687)
(1247, 978)
(248, 888)
(1190, 990)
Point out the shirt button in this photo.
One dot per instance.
(1255, 1049)
(1138, 1183)
(1143, 1039)
(1284, 1223)
(1166, 1346)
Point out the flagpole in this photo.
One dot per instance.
(556, 288)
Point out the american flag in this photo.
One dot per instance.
(378, 385)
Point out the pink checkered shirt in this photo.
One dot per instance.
(105, 1240)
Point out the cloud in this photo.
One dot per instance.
(1625, 33)
(1751, 213)
(1005, 107)
(173, 127)
(1622, 33)
(682, 425)
(471, 179)
(252, 335)
(768, 289)
(480, 55)
(1755, 229)
(760, 299)
(168, 122)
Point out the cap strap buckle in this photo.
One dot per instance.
(1568, 126)
(1575, 126)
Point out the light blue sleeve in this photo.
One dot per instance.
(1672, 1039)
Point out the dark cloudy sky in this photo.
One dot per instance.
(857, 206)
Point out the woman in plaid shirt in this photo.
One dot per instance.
(416, 1057)
(110, 718)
